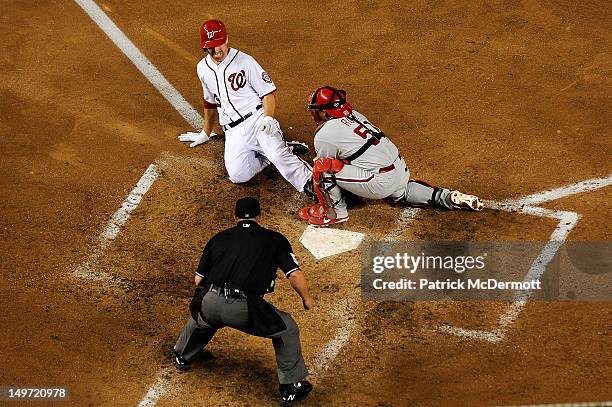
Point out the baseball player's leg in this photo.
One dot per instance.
(241, 161)
(331, 206)
(363, 183)
(288, 350)
(192, 340)
(418, 193)
(290, 166)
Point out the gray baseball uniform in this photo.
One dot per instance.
(380, 172)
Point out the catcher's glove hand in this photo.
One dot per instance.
(297, 147)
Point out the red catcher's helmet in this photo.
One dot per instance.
(330, 100)
(212, 34)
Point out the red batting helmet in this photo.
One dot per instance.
(330, 100)
(212, 34)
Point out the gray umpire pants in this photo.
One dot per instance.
(220, 312)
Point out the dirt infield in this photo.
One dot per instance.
(502, 98)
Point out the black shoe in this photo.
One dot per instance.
(180, 363)
(297, 147)
(292, 393)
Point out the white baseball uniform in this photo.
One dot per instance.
(379, 172)
(236, 86)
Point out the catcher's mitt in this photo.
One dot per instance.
(297, 147)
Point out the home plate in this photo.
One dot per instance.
(324, 242)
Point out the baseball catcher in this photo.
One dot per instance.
(356, 156)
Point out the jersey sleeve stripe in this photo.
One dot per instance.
(287, 274)
(208, 105)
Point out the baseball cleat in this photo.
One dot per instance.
(294, 392)
(180, 363)
(308, 212)
(460, 200)
(315, 216)
(297, 147)
(325, 221)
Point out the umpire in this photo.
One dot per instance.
(238, 266)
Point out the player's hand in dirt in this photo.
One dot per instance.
(196, 138)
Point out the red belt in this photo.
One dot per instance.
(386, 169)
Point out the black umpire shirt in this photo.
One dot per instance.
(246, 257)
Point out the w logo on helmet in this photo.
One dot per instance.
(211, 34)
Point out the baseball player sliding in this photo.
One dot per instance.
(240, 95)
(356, 156)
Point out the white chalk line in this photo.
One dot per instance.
(161, 387)
(406, 216)
(567, 221)
(344, 311)
(191, 116)
(141, 62)
(87, 269)
(558, 193)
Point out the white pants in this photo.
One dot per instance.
(249, 150)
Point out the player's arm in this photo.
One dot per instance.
(298, 283)
(269, 104)
(265, 88)
(211, 117)
(269, 124)
(289, 265)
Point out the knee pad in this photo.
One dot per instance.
(326, 164)
(322, 184)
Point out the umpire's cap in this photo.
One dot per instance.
(247, 208)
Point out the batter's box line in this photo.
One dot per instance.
(567, 221)
(88, 269)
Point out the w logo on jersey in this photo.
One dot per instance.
(238, 80)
